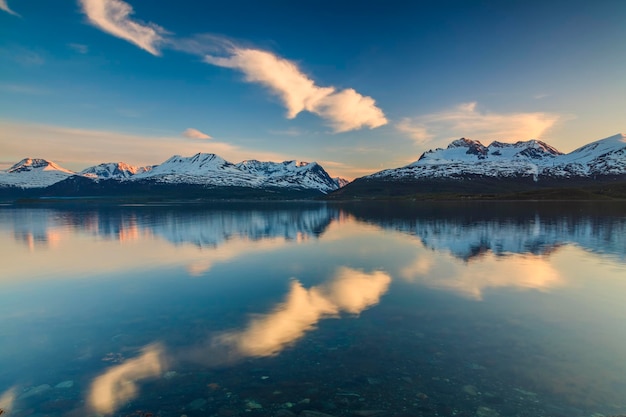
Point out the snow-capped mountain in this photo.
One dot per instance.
(291, 173)
(33, 173)
(211, 170)
(198, 172)
(341, 182)
(117, 170)
(533, 158)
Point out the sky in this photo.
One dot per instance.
(356, 86)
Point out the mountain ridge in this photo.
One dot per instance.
(194, 173)
(465, 168)
(468, 167)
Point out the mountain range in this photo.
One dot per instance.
(466, 167)
(189, 175)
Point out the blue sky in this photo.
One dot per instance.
(356, 86)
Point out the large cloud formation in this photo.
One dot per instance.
(344, 110)
(113, 16)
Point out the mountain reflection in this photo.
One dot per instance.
(39, 228)
(473, 230)
(468, 231)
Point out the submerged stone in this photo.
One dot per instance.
(486, 412)
(283, 412)
(65, 384)
(197, 404)
(368, 413)
(312, 413)
(253, 405)
(35, 391)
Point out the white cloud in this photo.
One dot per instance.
(192, 133)
(4, 6)
(344, 110)
(78, 47)
(113, 16)
(465, 120)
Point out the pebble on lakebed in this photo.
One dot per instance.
(483, 411)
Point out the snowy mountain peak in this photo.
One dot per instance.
(119, 170)
(33, 173)
(212, 170)
(341, 182)
(464, 143)
(614, 142)
(473, 147)
(30, 164)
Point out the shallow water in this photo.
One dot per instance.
(364, 309)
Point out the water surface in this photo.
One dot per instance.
(365, 309)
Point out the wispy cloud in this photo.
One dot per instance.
(192, 133)
(344, 109)
(22, 56)
(292, 131)
(78, 47)
(114, 17)
(465, 120)
(4, 6)
(23, 89)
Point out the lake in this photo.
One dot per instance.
(283, 309)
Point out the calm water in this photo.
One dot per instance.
(368, 310)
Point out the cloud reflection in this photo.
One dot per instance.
(350, 291)
(119, 383)
(491, 271)
(7, 399)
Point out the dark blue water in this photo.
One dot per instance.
(497, 309)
